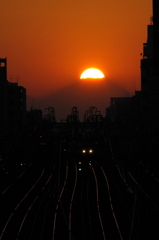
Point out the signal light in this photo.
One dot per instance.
(79, 168)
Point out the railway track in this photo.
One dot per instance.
(74, 195)
(22, 201)
(142, 187)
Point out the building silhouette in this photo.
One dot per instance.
(150, 72)
(12, 109)
(142, 109)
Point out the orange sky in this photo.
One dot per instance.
(50, 43)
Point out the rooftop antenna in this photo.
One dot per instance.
(11, 78)
(17, 78)
(151, 20)
(134, 85)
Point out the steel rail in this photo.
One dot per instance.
(111, 204)
(98, 207)
(71, 202)
(143, 191)
(19, 204)
(31, 205)
(58, 202)
(85, 197)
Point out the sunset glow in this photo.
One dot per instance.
(55, 41)
(92, 73)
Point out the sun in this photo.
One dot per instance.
(92, 73)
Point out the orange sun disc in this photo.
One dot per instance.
(92, 73)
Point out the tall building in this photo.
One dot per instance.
(12, 108)
(150, 72)
(156, 36)
(3, 105)
(146, 102)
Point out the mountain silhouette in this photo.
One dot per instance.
(83, 94)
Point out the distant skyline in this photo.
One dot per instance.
(49, 43)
